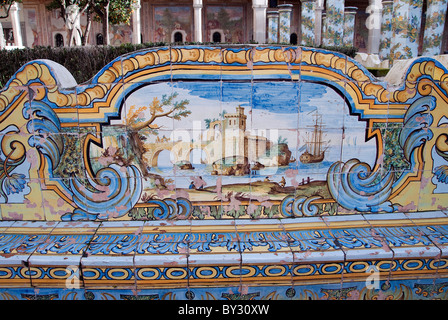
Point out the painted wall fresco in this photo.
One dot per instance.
(242, 172)
(227, 21)
(171, 19)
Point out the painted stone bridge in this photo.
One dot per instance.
(372, 223)
(179, 151)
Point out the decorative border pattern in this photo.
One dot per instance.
(153, 254)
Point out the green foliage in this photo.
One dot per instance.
(85, 62)
(82, 62)
(348, 51)
(282, 140)
(5, 5)
(119, 10)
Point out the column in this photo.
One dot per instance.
(136, 23)
(259, 7)
(284, 11)
(373, 24)
(435, 21)
(197, 6)
(15, 21)
(324, 29)
(349, 26)
(2, 38)
(386, 29)
(318, 20)
(335, 22)
(308, 22)
(272, 26)
(406, 20)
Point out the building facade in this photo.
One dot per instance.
(398, 29)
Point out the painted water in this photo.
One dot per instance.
(293, 174)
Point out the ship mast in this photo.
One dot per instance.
(317, 135)
(314, 144)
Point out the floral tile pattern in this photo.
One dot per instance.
(334, 23)
(405, 25)
(435, 20)
(386, 30)
(307, 23)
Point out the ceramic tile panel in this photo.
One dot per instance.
(227, 172)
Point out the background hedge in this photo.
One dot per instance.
(85, 62)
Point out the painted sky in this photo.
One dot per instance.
(283, 106)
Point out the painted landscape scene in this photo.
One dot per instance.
(207, 140)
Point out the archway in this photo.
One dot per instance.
(293, 38)
(59, 40)
(178, 37)
(198, 156)
(216, 37)
(99, 39)
(162, 159)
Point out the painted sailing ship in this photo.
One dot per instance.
(315, 146)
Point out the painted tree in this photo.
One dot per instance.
(167, 22)
(138, 121)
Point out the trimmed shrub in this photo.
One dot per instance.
(85, 62)
(82, 62)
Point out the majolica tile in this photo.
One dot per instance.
(15, 272)
(103, 271)
(242, 170)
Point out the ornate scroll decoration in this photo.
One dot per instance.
(45, 125)
(441, 149)
(116, 191)
(171, 209)
(13, 152)
(301, 206)
(355, 187)
(416, 123)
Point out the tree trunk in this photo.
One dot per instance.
(106, 25)
(85, 38)
(138, 150)
(2, 38)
